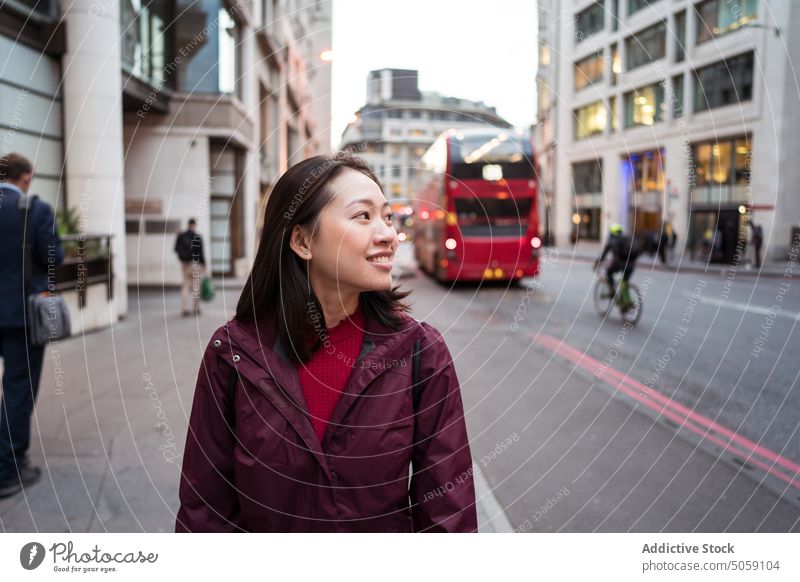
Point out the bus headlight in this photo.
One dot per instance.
(536, 242)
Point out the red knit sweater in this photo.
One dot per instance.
(326, 374)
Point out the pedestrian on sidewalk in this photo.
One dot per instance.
(672, 238)
(663, 242)
(189, 247)
(756, 239)
(22, 361)
(304, 416)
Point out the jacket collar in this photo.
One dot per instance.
(366, 347)
(12, 188)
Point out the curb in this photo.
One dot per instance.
(491, 517)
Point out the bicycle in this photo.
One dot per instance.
(626, 298)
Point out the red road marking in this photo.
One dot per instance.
(676, 412)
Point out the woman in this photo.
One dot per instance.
(303, 417)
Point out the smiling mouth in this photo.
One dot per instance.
(383, 260)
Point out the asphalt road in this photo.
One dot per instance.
(687, 422)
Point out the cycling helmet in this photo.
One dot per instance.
(615, 229)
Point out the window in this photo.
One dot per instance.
(492, 216)
(144, 40)
(636, 5)
(616, 66)
(587, 183)
(372, 148)
(721, 171)
(646, 46)
(680, 36)
(586, 223)
(207, 58)
(716, 17)
(701, 156)
(544, 55)
(31, 102)
(724, 83)
(590, 120)
(644, 106)
(226, 233)
(470, 154)
(742, 153)
(228, 52)
(589, 70)
(589, 21)
(543, 94)
(677, 96)
(587, 177)
(416, 114)
(614, 15)
(648, 171)
(612, 106)
(394, 114)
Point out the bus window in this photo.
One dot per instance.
(492, 216)
(471, 154)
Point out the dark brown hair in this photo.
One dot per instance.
(278, 284)
(14, 166)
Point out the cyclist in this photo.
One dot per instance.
(625, 252)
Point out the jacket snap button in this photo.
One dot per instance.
(236, 358)
(217, 343)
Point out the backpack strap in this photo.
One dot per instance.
(416, 381)
(230, 414)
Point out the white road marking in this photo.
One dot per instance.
(747, 307)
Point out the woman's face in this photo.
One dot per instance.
(354, 240)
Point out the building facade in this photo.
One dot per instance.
(240, 96)
(399, 123)
(678, 114)
(545, 129)
(139, 116)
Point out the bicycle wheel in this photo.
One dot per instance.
(603, 297)
(634, 311)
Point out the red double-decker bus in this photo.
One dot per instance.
(475, 207)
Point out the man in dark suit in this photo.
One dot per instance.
(22, 362)
(189, 247)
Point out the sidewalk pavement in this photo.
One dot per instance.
(589, 251)
(111, 419)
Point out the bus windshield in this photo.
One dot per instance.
(510, 155)
(492, 216)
